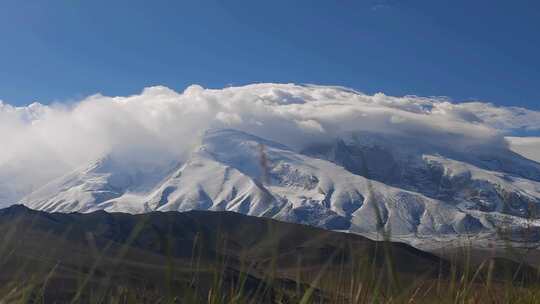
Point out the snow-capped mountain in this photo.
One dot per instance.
(107, 178)
(482, 178)
(421, 168)
(360, 184)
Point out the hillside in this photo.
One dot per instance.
(171, 253)
(155, 250)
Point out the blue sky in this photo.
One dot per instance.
(65, 50)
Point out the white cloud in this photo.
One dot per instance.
(41, 142)
(503, 118)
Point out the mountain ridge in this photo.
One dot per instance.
(138, 251)
(235, 171)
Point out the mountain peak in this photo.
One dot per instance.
(230, 137)
(360, 184)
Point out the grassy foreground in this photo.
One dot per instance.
(211, 257)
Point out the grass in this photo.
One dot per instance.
(345, 276)
(149, 263)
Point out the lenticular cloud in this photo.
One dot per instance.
(40, 142)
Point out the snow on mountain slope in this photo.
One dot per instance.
(105, 179)
(472, 178)
(529, 147)
(325, 156)
(236, 171)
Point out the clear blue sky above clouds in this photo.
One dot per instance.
(65, 50)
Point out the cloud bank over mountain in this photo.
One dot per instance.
(41, 142)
